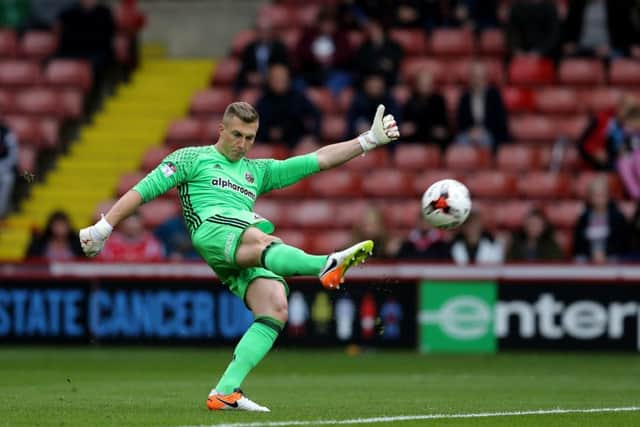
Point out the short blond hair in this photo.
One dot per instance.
(242, 110)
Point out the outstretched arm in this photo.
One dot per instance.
(383, 130)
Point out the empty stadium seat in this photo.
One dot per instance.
(273, 210)
(418, 156)
(72, 102)
(349, 211)
(624, 72)
(69, 73)
(330, 241)
(127, 181)
(599, 99)
(557, 100)
(39, 101)
(210, 101)
(544, 185)
(7, 101)
(532, 128)
(34, 131)
(563, 213)
(185, 131)
(225, 72)
(295, 191)
(336, 183)
(312, 214)
(372, 160)
(531, 71)
(491, 184)
(241, 40)
(153, 157)
(467, 158)
(158, 211)
(423, 180)
(305, 15)
(8, 44)
(574, 71)
(276, 16)
(518, 99)
(511, 214)
(518, 157)
(334, 128)
(572, 126)
(387, 183)
(38, 45)
(19, 73)
(457, 71)
(402, 214)
(268, 150)
(323, 99)
(413, 41)
(296, 238)
(451, 42)
(492, 43)
(410, 67)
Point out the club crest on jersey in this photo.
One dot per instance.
(249, 177)
(168, 169)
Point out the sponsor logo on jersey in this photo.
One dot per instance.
(228, 184)
(249, 177)
(168, 169)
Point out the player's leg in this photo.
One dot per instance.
(268, 301)
(257, 248)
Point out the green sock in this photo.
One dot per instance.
(286, 260)
(253, 346)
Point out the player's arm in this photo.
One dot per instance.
(383, 130)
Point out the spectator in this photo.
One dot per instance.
(58, 242)
(323, 54)
(14, 14)
(475, 245)
(379, 54)
(599, 28)
(424, 117)
(535, 241)
(132, 243)
(44, 13)
(626, 140)
(265, 51)
(87, 32)
(601, 234)
(8, 163)
(286, 115)
(412, 13)
(175, 239)
(481, 114)
(374, 92)
(477, 15)
(372, 227)
(425, 243)
(533, 28)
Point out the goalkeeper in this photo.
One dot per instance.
(218, 187)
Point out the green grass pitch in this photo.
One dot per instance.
(159, 386)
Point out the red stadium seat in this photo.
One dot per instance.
(344, 100)
(403, 214)
(531, 71)
(268, 150)
(374, 159)
(185, 131)
(212, 128)
(582, 181)
(273, 210)
(7, 101)
(153, 157)
(575, 71)
(413, 42)
(387, 183)
(69, 73)
(8, 44)
(334, 128)
(225, 72)
(511, 214)
(563, 213)
(276, 16)
(557, 100)
(491, 184)
(336, 183)
(492, 43)
(33, 131)
(19, 73)
(544, 185)
(127, 182)
(291, 37)
(72, 102)
(624, 72)
(417, 156)
(38, 45)
(295, 238)
(411, 66)
(518, 99)
(349, 211)
(312, 214)
(599, 99)
(251, 95)
(533, 129)
(241, 40)
(572, 127)
(423, 180)
(122, 48)
(211, 101)
(451, 96)
(458, 71)
(452, 42)
(44, 102)
(467, 158)
(570, 159)
(330, 241)
(305, 15)
(297, 190)
(323, 99)
(27, 156)
(518, 158)
(50, 129)
(158, 211)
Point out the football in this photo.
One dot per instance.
(446, 203)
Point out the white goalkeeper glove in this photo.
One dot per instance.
(93, 238)
(383, 130)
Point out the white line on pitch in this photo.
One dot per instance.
(426, 417)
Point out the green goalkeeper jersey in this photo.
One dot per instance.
(208, 183)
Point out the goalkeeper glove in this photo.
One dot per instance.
(383, 130)
(93, 238)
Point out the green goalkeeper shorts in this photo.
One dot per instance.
(217, 240)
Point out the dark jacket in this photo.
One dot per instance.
(425, 114)
(617, 243)
(364, 108)
(546, 248)
(277, 54)
(86, 32)
(38, 246)
(495, 117)
(422, 245)
(533, 27)
(382, 59)
(292, 112)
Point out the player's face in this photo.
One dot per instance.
(236, 138)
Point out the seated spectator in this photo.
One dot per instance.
(44, 13)
(87, 32)
(481, 114)
(424, 117)
(533, 28)
(535, 241)
(599, 28)
(175, 239)
(627, 142)
(425, 243)
(374, 92)
(601, 234)
(323, 54)
(132, 243)
(265, 51)
(372, 227)
(286, 115)
(379, 54)
(14, 14)
(58, 242)
(8, 163)
(475, 245)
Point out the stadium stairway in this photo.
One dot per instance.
(113, 144)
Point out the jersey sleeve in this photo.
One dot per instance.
(174, 170)
(282, 173)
